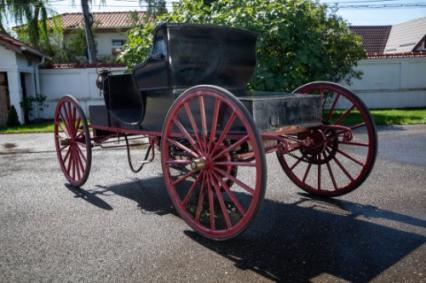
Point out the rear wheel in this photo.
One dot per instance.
(72, 141)
(344, 149)
(207, 136)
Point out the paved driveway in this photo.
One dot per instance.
(120, 227)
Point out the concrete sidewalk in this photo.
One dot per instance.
(26, 143)
(38, 143)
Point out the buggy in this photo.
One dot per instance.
(189, 101)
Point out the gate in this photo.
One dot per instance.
(4, 99)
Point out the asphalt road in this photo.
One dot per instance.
(120, 227)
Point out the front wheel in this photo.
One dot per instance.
(207, 135)
(344, 149)
(72, 141)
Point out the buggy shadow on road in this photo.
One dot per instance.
(298, 241)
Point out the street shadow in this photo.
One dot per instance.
(299, 241)
(319, 238)
(88, 196)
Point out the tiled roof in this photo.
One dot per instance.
(416, 54)
(101, 20)
(18, 46)
(374, 38)
(404, 37)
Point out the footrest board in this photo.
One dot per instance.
(271, 111)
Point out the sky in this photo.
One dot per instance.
(356, 12)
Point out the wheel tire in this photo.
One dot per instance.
(352, 161)
(202, 194)
(72, 141)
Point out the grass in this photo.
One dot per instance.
(380, 116)
(390, 116)
(45, 127)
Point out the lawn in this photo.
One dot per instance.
(381, 117)
(45, 127)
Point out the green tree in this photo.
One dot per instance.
(32, 13)
(299, 40)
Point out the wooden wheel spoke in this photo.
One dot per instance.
(215, 119)
(354, 143)
(319, 176)
(192, 189)
(193, 123)
(184, 148)
(200, 200)
(344, 115)
(203, 115)
(358, 126)
(67, 131)
(211, 203)
(231, 147)
(81, 153)
(299, 159)
(333, 107)
(236, 163)
(231, 195)
(225, 130)
(343, 169)
(178, 162)
(183, 178)
(331, 173)
(350, 157)
(67, 155)
(69, 121)
(235, 180)
(222, 205)
(185, 133)
(307, 172)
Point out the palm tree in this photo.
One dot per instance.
(88, 22)
(32, 13)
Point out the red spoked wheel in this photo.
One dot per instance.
(344, 149)
(72, 141)
(207, 135)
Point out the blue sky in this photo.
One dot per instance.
(375, 14)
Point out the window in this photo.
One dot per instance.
(118, 43)
(159, 49)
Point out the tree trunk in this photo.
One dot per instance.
(88, 21)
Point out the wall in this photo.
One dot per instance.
(387, 83)
(9, 64)
(104, 42)
(392, 82)
(78, 82)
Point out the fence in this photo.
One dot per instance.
(386, 83)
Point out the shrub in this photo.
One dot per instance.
(299, 40)
(12, 118)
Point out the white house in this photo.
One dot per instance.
(110, 28)
(19, 77)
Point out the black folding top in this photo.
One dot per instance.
(198, 54)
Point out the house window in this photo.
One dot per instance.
(118, 43)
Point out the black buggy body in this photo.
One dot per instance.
(184, 55)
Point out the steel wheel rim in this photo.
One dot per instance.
(334, 167)
(72, 141)
(211, 178)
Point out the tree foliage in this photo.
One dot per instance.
(299, 40)
(32, 13)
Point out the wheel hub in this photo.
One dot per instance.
(198, 164)
(323, 143)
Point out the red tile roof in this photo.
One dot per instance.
(102, 20)
(415, 54)
(374, 38)
(18, 46)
